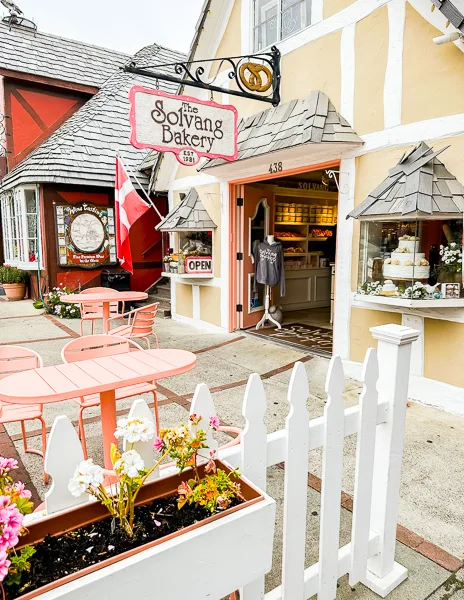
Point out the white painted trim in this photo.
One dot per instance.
(193, 181)
(317, 11)
(422, 389)
(196, 301)
(225, 256)
(246, 27)
(417, 348)
(393, 88)
(342, 314)
(198, 323)
(412, 133)
(348, 71)
(220, 29)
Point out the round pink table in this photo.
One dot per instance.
(97, 375)
(104, 298)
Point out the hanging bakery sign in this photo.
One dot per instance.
(86, 235)
(188, 127)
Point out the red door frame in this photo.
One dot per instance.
(233, 194)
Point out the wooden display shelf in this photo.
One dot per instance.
(322, 224)
(317, 239)
(295, 253)
(291, 239)
(290, 223)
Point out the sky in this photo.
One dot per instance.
(125, 25)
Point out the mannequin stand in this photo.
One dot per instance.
(267, 315)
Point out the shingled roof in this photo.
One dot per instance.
(189, 214)
(419, 185)
(47, 55)
(83, 150)
(308, 120)
(453, 11)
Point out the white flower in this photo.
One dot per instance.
(135, 430)
(130, 463)
(86, 475)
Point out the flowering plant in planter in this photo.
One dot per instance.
(418, 291)
(14, 504)
(9, 274)
(54, 305)
(370, 288)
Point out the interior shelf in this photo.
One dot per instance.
(291, 239)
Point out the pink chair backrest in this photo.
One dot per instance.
(143, 319)
(96, 346)
(97, 308)
(14, 359)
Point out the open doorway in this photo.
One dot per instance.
(300, 211)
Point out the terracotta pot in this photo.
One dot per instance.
(150, 566)
(14, 291)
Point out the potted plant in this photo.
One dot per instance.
(13, 281)
(203, 531)
(450, 267)
(166, 263)
(54, 306)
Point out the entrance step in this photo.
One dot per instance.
(161, 292)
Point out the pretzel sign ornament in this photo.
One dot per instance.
(188, 127)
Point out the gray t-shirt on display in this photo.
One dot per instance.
(269, 265)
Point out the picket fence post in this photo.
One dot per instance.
(394, 355)
(203, 406)
(140, 409)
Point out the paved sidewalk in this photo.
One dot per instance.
(431, 535)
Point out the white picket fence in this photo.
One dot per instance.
(379, 421)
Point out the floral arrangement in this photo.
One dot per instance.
(408, 238)
(451, 258)
(418, 291)
(14, 504)
(402, 250)
(54, 305)
(9, 274)
(183, 443)
(370, 288)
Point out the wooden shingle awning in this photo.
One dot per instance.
(189, 215)
(418, 186)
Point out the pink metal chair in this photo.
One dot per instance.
(93, 312)
(139, 324)
(95, 346)
(14, 359)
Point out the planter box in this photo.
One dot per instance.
(206, 560)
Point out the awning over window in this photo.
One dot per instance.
(310, 120)
(189, 215)
(418, 186)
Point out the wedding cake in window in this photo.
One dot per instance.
(406, 261)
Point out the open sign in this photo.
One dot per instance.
(199, 265)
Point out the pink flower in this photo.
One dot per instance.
(21, 490)
(211, 465)
(7, 464)
(214, 422)
(4, 564)
(158, 444)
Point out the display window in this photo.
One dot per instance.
(412, 259)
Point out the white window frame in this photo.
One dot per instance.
(17, 199)
(279, 40)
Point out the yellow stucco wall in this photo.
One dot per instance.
(433, 76)
(210, 305)
(231, 42)
(443, 351)
(184, 301)
(331, 7)
(360, 336)
(371, 48)
(315, 66)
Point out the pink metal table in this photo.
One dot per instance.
(99, 375)
(104, 298)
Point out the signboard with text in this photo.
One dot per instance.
(188, 127)
(200, 265)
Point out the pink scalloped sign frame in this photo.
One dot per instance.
(188, 127)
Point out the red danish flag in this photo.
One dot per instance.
(129, 207)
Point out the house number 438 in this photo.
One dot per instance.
(275, 167)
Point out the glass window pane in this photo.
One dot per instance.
(296, 15)
(265, 23)
(30, 201)
(32, 226)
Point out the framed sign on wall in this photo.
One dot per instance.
(86, 235)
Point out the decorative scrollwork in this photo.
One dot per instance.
(257, 73)
(250, 76)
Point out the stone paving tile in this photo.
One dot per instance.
(28, 328)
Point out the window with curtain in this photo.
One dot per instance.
(275, 20)
(19, 226)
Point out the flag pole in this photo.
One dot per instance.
(150, 202)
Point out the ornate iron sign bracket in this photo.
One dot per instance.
(257, 76)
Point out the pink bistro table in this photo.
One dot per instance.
(104, 298)
(98, 375)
